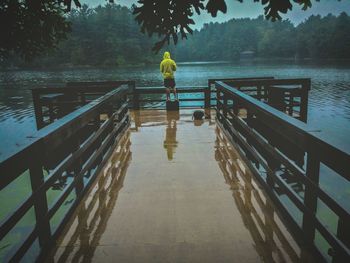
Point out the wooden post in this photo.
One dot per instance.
(225, 105)
(98, 141)
(268, 229)
(310, 198)
(249, 120)
(258, 92)
(207, 92)
(263, 93)
(79, 186)
(40, 203)
(218, 97)
(37, 109)
(136, 97)
(218, 103)
(291, 104)
(51, 112)
(235, 107)
(305, 87)
(343, 235)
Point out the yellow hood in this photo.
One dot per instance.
(166, 55)
(167, 66)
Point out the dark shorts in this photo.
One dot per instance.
(169, 83)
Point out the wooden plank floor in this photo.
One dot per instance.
(175, 191)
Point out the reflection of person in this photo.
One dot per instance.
(170, 142)
(167, 68)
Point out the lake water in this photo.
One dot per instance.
(329, 108)
(329, 100)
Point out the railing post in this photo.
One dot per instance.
(225, 105)
(305, 87)
(310, 198)
(235, 107)
(99, 140)
(218, 102)
(40, 203)
(291, 104)
(136, 97)
(79, 186)
(343, 231)
(37, 109)
(249, 121)
(258, 92)
(51, 112)
(207, 96)
(268, 229)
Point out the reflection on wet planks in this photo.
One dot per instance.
(170, 142)
(146, 118)
(272, 241)
(90, 220)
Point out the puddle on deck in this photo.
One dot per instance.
(175, 191)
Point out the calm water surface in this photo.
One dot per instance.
(329, 101)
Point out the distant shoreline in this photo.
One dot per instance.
(253, 60)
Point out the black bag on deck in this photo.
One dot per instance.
(198, 115)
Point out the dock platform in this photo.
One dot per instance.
(111, 176)
(175, 190)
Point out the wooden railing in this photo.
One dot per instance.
(53, 103)
(257, 211)
(144, 97)
(287, 95)
(285, 155)
(94, 213)
(61, 162)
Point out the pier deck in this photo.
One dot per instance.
(175, 190)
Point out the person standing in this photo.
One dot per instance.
(167, 68)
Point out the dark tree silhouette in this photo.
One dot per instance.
(168, 18)
(30, 27)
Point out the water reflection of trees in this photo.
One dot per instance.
(94, 212)
(272, 242)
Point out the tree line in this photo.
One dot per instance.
(109, 36)
(317, 38)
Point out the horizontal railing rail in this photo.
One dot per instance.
(286, 156)
(61, 161)
(211, 82)
(141, 101)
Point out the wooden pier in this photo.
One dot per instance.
(258, 136)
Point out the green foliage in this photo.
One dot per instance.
(29, 28)
(103, 36)
(317, 38)
(109, 36)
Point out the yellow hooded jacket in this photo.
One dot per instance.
(167, 66)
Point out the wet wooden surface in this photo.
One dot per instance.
(175, 191)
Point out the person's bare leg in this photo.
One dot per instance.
(175, 94)
(167, 94)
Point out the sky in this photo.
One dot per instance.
(251, 9)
